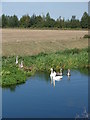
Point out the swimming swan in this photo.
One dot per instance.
(68, 73)
(52, 73)
(59, 74)
(54, 76)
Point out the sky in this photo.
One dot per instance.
(56, 9)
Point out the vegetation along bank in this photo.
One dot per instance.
(12, 74)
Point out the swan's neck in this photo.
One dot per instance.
(21, 64)
(51, 71)
(60, 73)
(16, 60)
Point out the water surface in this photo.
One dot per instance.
(38, 98)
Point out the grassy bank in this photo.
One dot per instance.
(12, 74)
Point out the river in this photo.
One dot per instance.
(39, 97)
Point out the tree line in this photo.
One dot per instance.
(44, 21)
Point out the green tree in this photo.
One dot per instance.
(63, 23)
(67, 24)
(39, 21)
(58, 22)
(49, 22)
(84, 20)
(0, 21)
(47, 16)
(33, 21)
(13, 21)
(88, 22)
(25, 21)
(74, 23)
(45, 21)
(4, 21)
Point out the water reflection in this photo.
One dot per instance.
(52, 81)
(84, 71)
(46, 77)
(68, 77)
(12, 88)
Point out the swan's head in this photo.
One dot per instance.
(17, 56)
(60, 69)
(51, 69)
(69, 70)
(21, 62)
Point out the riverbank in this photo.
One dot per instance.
(12, 75)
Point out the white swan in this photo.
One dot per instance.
(52, 73)
(54, 76)
(16, 60)
(21, 65)
(68, 73)
(60, 74)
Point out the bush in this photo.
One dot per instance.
(86, 36)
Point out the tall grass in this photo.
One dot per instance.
(12, 74)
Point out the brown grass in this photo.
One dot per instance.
(30, 42)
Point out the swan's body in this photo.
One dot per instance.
(52, 74)
(57, 78)
(60, 74)
(68, 73)
(21, 65)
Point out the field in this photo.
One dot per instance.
(31, 42)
